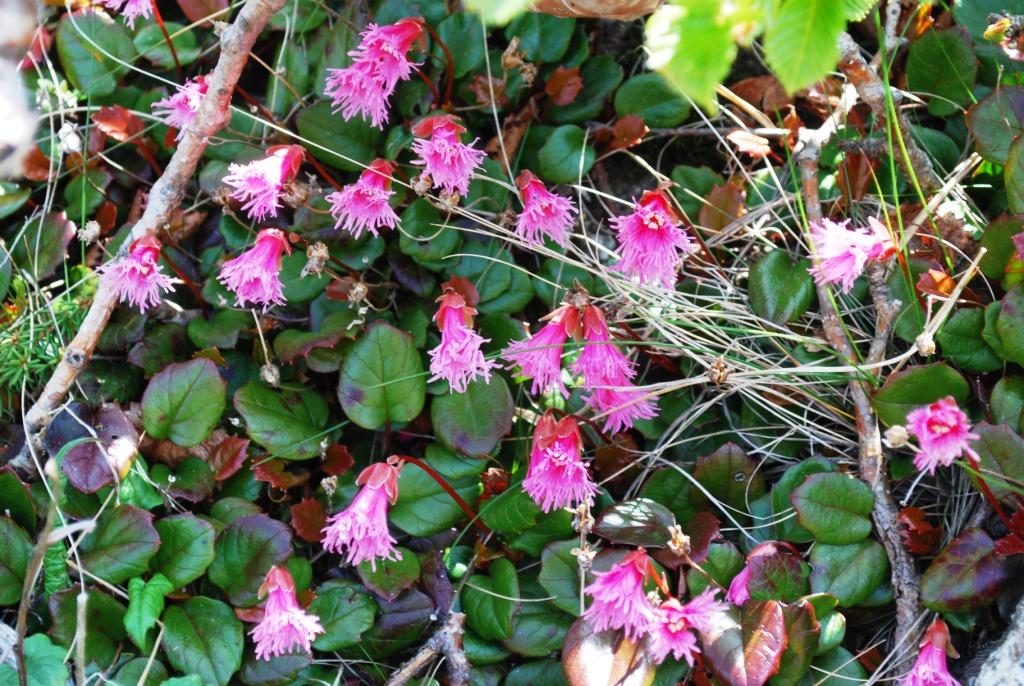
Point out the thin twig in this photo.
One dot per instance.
(446, 641)
(165, 197)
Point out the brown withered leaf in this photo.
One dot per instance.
(512, 131)
(36, 165)
(338, 460)
(918, 534)
(274, 473)
(750, 143)
(936, 282)
(482, 86)
(766, 93)
(564, 85)
(724, 205)
(117, 122)
(227, 457)
(855, 174)
(628, 131)
(106, 216)
(308, 519)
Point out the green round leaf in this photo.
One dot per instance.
(473, 422)
(15, 551)
(915, 387)
(204, 638)
(652, 97)
(801, 41)
(560, 575)
(565, 157)
(790, 530)
(184, 401)
(382, 378)
(104, 630)
(1007, 401)
(995, 121)
(44, 664)
(780, 290)
(962, 344)
(1001, 454)
(639, 522)
(942, 64)
(463, 35)
(389, 578)
(245, 552)
(600, 74)
(121, 545)
(542, 37)
(849, 572)
(186, 548)
(289, 425)
(423, 507)
(834, 507)
(151, 44)
(510, 512)
(490, 601)
(347, 145)
(344, 614)
(89, 69)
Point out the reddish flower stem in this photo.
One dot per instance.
(430, 84)
(447, 488)
(990, 496)
(167, 37)
(450, 69)
(323, 172)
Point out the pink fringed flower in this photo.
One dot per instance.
(739, 589)
(842, 253)
(943, 432)
(540, 356)
(179, 110)
(136, 278)
(285, 625)
(651, 241)
(544, 213)
(380, 62)
(259, 185)
(131, 9)
(364, 204)
(445, 158)
(931, 668)
(672, 631)
(619, 600)
(458, 358)
(253, 275)
(360, 531)
(557, 477)
(608, 375)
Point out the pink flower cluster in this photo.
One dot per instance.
(254, 276)
(131, 9)
(179, 110)
(607, 373)
(943, 433)
(285, 625)
(379, 63)
(619, 601)
(458, 359)
(445, 158)
(544, 213)
(931, 669)
(365, 204)
(136, 278)
(556, 476)
(360, 531)
(842, 253)
(260, 185)
(651, 240)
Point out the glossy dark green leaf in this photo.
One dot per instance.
(490, 601)
(347, 145)
(184, 401)
(389, 578)
(44, 664)
(962, 344)
(145, 605)
(150, 42)
(942, 64)
(652, 97)
(104, 618)
(566, 156)
(995, 121)
(344, 613)
(17, 503)
(542, 37)
(289, 425)
(560, 575)
(849, 572)
(780, 289)
(473, 422)
(88, 68)
(789, 529)
(1001, 450)
(382, 378)
(639, 522)
(914, 387)
(834, 507)
(15, 551)
(729, 475)
(510, 512)
(186, 548)
(41, 246)
(1007, 401)
(600, 74)
(802, 631)
(463, 35)
(245, 552)
(203, 637)
(121, 545)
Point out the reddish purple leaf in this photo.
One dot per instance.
(90, 466)
(966, 575)
(308, 519)
(197, 10)
(227, 457)
(745, 646)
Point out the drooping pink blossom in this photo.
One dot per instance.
(365, 203)
(608, 375)
(557, 477)
(445, 158)
(652, 241)
(259, 185)
(673, 629)
(540, 356)
(379, 63)
(285, 625)
(136, 278)
(131, 9)
(943, 433)
(253, 275)
(544, 213)
(179, 110)
(931, 669)
(842, 253)
(618, 597)
(739, 589)
(458, 359)
(360, 531)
